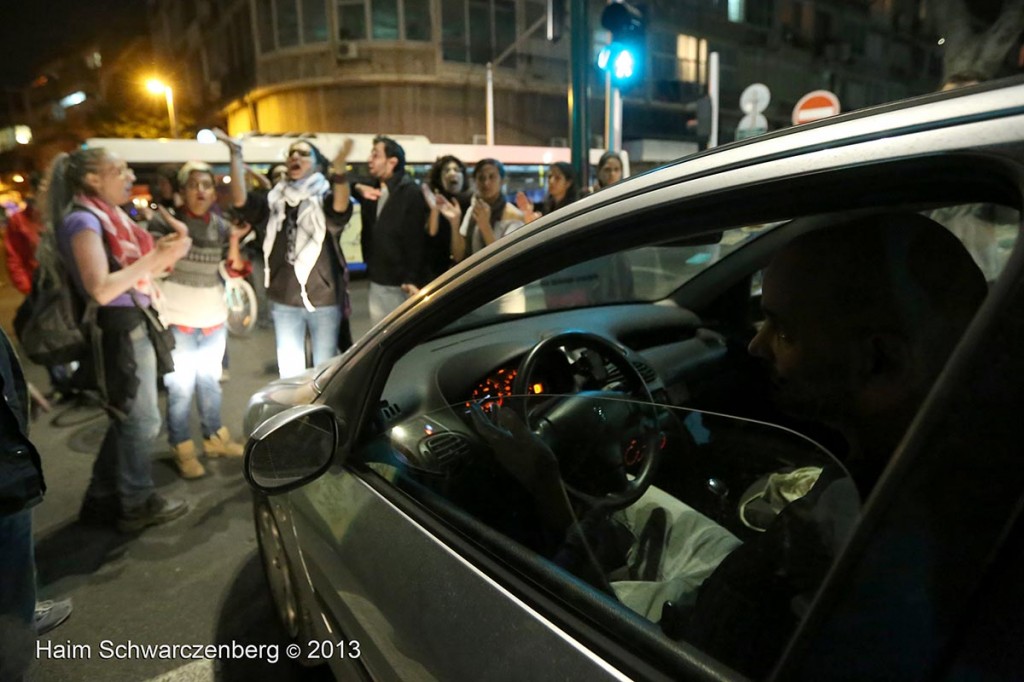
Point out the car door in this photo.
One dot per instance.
(432, 598)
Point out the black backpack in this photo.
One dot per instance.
(55, 323)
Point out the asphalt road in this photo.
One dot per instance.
(195, 581)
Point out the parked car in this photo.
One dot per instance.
(401, 542)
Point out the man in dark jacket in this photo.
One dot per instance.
(21, 488)
(394, 221)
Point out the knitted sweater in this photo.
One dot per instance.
(193, 293)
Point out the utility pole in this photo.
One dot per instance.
(579, 55)
(489, 101)
(612, 115)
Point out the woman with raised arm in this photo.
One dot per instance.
(447, 179)
(490, 216)
(305, 271)
(563, 189)
(112, 260)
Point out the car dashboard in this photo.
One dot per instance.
(481, 364)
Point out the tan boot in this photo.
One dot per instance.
(220, 445)
(185, 457)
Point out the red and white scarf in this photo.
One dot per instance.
(126, 241)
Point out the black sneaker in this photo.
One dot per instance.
(154, 511)
(100, 511)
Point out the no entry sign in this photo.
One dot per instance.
(815, 105)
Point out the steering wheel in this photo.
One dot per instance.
(595, 434)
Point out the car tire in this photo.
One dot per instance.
(277, 568)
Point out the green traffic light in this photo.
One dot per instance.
(623, 59)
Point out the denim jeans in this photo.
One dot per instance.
(17, 566)
(123, 466)
(290, 325)
(198, 359)
(383, 299)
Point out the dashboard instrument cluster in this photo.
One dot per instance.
(551, 376)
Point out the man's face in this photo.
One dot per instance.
(381, 166)
(300, 161)
(199, 193)
(452, 178)
(812, 361)
(488, 182)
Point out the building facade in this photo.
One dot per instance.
(419, 66)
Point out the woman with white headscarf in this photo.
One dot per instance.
(306, 275)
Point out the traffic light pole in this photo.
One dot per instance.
(612, 115)
(579, 52)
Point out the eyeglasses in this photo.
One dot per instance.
(120, 171)
(201, 184)
(300, 152)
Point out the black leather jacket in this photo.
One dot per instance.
(21, 472)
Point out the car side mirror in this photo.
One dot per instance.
(291, 448)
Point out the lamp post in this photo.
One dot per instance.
(159, 88)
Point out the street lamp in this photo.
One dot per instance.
(159, 88)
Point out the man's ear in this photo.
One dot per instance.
(887, 367)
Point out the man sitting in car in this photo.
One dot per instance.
(860, 318)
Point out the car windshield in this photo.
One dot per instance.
(644, 274)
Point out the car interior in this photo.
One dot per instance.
(631, 368)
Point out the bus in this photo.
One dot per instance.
(526, 166)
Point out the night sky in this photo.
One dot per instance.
(34, 31)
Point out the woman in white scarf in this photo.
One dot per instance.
(305, 271)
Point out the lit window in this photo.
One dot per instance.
(737, 10)
(691, 55)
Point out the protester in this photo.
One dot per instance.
(22, 618)
(306, 274)
(490, 216)
(112, 260)
(195, 309)
(977, 225)
(447, 177)
(165, 191)
(393, 239)
(563, 189)
(21, 240)
(252, 243)
(609, 171)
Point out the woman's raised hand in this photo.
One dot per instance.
(233, 143)
(449, 209)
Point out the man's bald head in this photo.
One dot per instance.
(862, 315)
(896, 272)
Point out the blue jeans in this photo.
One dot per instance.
(198, 359)
(17, 566)
(290, 324)
(383, 299)
(123, 467)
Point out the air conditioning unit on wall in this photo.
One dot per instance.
(347, 50)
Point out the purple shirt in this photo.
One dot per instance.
(73, 223)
